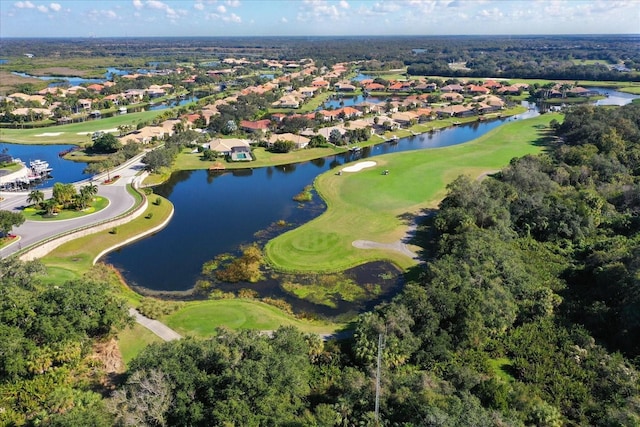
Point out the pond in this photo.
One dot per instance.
(216, 213)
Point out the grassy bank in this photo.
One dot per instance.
(74, 258)
(200, 318)
(370, 206)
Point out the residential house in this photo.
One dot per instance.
(478, 90)
(426, 87)
(452, 88)
(372, 87)
(455, 111)
(287, 101)
(230, 146)
(344, 87)
(95, 87)
(299, 141)
(260, 126)
(405, 118)
(452, 97)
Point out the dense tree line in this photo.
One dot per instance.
(550, 57)
(47, 376)
(524, 314)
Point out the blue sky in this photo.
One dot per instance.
(128, 18)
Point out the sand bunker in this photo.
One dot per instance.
(50, 134)
(359, 166)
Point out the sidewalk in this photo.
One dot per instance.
(160, 329)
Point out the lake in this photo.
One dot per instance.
(216, 213)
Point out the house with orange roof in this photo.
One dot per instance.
(255, 126)
(95, 87)
(477, 90)
(492, 84)
(320, 83)
(371, 87)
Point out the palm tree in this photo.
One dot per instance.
(36, 197)
(91, 189)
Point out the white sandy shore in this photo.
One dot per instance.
(359, 166)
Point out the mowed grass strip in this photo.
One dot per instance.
(368, 205)
(201, 318)
(74, 133)
(74, 258)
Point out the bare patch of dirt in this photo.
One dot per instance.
(108, 354)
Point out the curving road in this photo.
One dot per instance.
(32, 232)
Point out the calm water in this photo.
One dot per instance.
(63, 170)
(217, 213)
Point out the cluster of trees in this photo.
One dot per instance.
(164, 156)
(525, 314)
(47, 376)
(64, 196)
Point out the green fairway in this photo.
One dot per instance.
(368, 205)
(75, 133)
(200, 318)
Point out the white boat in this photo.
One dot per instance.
(40, 168)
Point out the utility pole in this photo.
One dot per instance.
(377, 405)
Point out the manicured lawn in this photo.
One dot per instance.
(74, 258)
(191, 161)
(75, 133)
(133, 340)
(33, 214)
(200, 318)
(370, 206)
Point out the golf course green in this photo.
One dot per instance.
(370, 205)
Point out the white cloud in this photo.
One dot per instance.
(313, 10)
(55, 7)
(284, 20)
(198, 6)
(42, 8)
(344, 4)
(232, 18)
(233, 3)
(221, 9)
(24, 5)
(98, 15)
(138, 4)
(494, 14)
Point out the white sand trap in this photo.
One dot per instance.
(103, 130)
(50, 134)
(359, 166)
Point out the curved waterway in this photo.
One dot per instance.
(216, 213)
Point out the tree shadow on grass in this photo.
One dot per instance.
(421, 233)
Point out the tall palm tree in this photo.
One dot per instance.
(36, 197)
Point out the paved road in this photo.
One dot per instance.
(34, 231)
(160, 329)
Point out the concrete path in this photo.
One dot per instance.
(160, 329)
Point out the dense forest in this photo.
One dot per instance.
(575, 57)
(525, 313)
